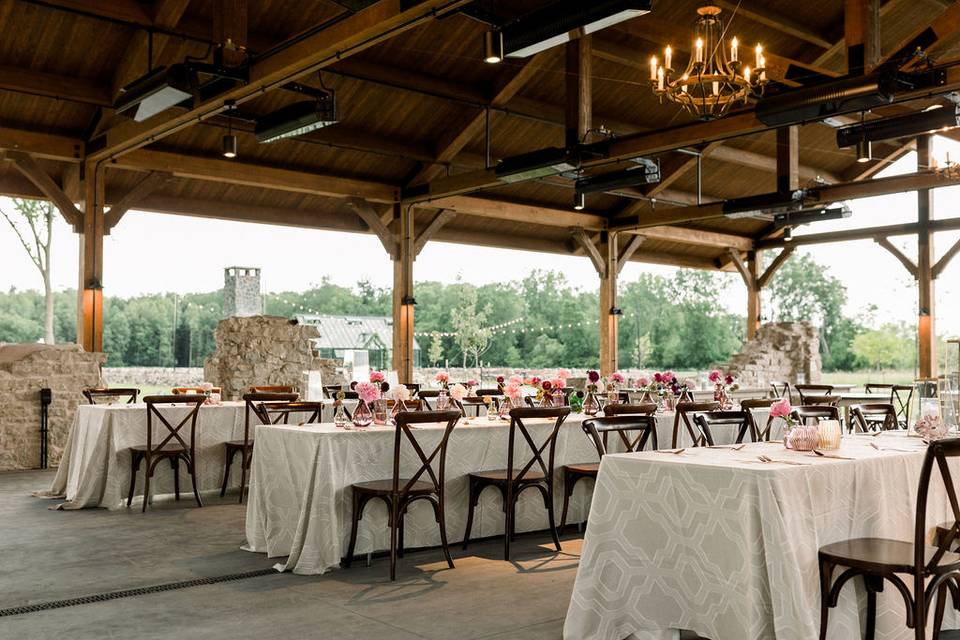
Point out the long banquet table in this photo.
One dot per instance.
(95, 468)
(300, 502)
(716, 541)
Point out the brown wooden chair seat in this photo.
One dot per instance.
(399, 493)
(173, 446)
(511, 482)
(632, 418)
(256, 404)
(920, 572)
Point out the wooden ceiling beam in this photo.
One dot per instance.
(51, 85)
(129, 11)
(439, 221)
(585, 242)
(861, 33)
(628, 251)
(868, 233)
(27, 165)
(782, 23)
(355, 33)
(929, 37)
(372, 219)
(46, 146)
(908, 264)
(153, 181)
(771, 271)
(231, 172)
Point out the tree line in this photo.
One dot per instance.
(678, 322)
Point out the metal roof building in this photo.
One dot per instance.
(339, 334)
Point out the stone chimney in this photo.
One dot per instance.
(241, 292)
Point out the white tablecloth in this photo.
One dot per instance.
(300, 501)
(95, 468)
(716, 542)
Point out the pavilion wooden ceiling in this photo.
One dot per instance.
(413, 110)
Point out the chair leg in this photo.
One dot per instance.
(146, 484)
(394, 527)
(175, 466)
(938, 612)
(192, 469)
(243, 472)
(472, 500)
(442, 522)
(569, 482)
(550, 516)
(400, 533)
(826, 575)
(134, 470)
(874, 585)
(231, 454)
(357, 515)
(510, 501)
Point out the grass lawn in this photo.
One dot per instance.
(860, 378)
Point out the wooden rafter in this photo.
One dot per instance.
(372, 219)
(27, 165)
(909, 264)
(866, 170)
(756, 12)
(586, 243)
(627, 252)
(578, 116)
(929, 37)
(51, 85)
(742, 268)
(442, 218)
(770, 271)
(360, 31)
(868, 233)
(861, 29)
(153, 181)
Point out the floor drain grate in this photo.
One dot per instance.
(130, 593)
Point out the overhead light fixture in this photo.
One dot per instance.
(616, 311)
(645, 172)
(162, 88)
(579, 200)
(538, 164)
(861, 93)
(864, 151)
(297, 119)
(560, 22)
(807, 216)
(788, 234)
(912, 124)
(230, 140)
(493, 41)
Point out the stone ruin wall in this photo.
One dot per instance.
(25, 369)
(265, 350)
(780, 351)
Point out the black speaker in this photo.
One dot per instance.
(46, 396)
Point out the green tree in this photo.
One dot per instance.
(435, 352)
(470, 325)
(36, 216)
(883, 348)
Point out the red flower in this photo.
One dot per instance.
(728, 379)
(500, 379)
(658, 377)
(546, 385)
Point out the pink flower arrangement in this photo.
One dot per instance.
(377, 376)
(535, 381)
(714, 376)
(400, 393)
(515, 379)
(593, 376)
(643, 382)
(563, 374)
(513, 390)
(658, 377)
(367, 391)
(558, 383)
(472, 383)
(617, 378)
(781, 408)
(458, 392)
(443, 378)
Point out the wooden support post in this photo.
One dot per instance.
(579, 114)
(926, 327)
(754, 300)
(788, 159)
(403, 301)
(861, 19)
(230, 30)
(90, 285)
(609, 311)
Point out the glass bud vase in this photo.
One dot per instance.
(559, 398)
(380, 413)
(398, 406)
(591, 406)
(506, 404)
(340, 418)
(443, 400)
(362, 415)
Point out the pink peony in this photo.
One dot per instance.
(513, 390)
(558, 383)
(516, 379)
(458, 392)
(368, 392)
(377, 376)
(781, 408)
(714, 376)
(643, 381)
(618, 378)
(400, 393)
(563, 374)
(669, 376)
(472, 383)
(442, 376)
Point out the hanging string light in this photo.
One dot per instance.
(711, 82)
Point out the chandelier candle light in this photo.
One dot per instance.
(711, 83)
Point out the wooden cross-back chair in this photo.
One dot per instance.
(400, 492)
(130, 393)
(172, 446)
(408, 405)
(781, 389)
(179, 391)
(622, 398)
(331, 390)
(749, 405)
(874, 416)
(634, 431)
(900, 395)
(805, 390)
(254, 405)
(428, 394)
(308, 412)
(413, 387)
(810, 400)
(920, 572)
(708, 421)
(682, 416)
(644, 408)
(512, 481)
(804, 414)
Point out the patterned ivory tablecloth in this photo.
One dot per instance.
(717, 542)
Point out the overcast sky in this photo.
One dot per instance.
(151, 252)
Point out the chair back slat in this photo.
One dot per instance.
(813, 390)
(781, 389)
(279, 412)
(403, 432)
(517, 417)
(803, 414)
(277, 388)
(682, 415)
(644, 408)
(813, 400)
(938, 453)
(130, 393)
(749, 405)
(597, 430)
(709, 420)
(865, 416)
(173, 432)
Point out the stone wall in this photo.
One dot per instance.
(66, 370)
(265, 350)
(152, 376)
(780, 351)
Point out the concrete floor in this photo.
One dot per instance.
(54, 555)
